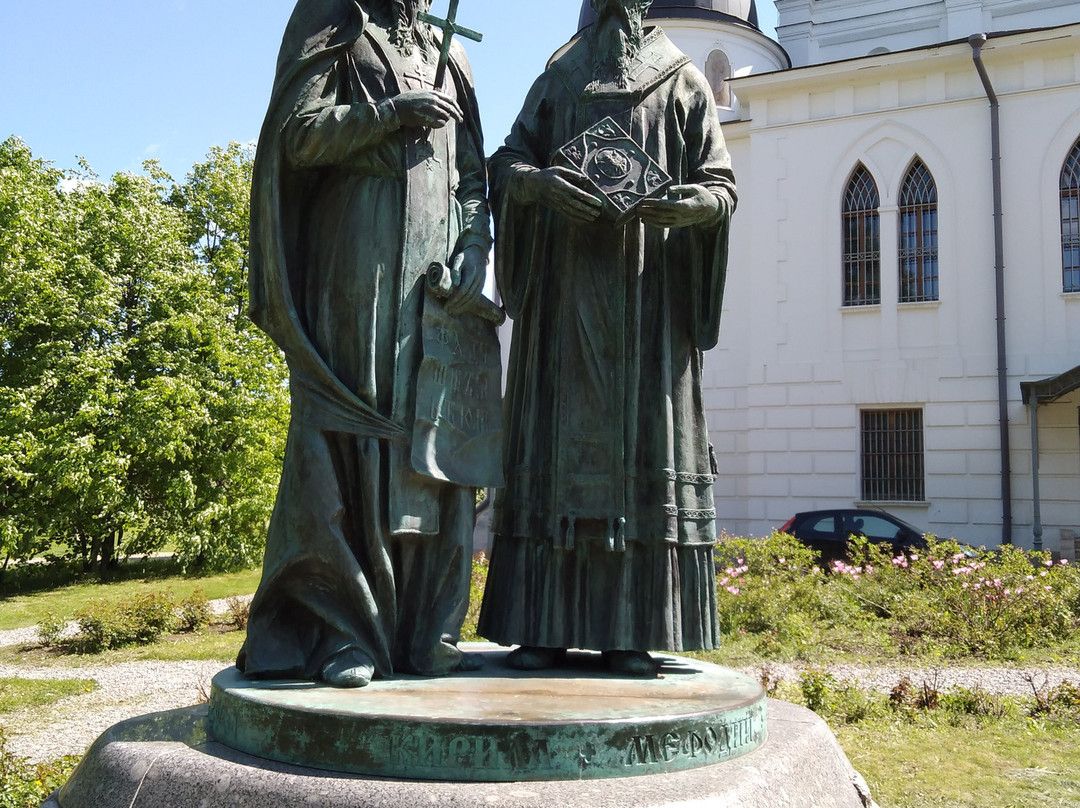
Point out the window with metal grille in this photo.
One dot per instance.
(862, 240)
(918, 235)
(892, 456)
(1070, 221)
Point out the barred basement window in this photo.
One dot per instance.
(862, 240)
(1070, 221)
(892, 456)
(918, 236)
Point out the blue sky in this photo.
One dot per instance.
(122, 81)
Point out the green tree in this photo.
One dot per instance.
(38, 319)
(138, 407)
(237, 482)
(216, 198)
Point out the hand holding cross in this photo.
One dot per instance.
(450, 28)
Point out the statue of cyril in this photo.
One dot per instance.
(368, 171)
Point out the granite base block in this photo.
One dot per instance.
(167, 760)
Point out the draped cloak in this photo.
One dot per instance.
(605, 530)
(348, 211)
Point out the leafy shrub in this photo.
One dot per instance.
(104, 625)
(51, 629)
(995, 606)
(772, 588)
(770, 681)
(100, 628)
(845, 702)
(902, 696)
(239, 610)
(941, 599)
(775, 555)
(976, 702)
(852, 704)
(193, 613)
(848, 703)
(818, 689)
(1066, 695)
(27, 785)
(907, 699)
(152, 615)
(1058, 703)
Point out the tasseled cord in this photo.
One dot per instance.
(616, 538)
(569, 531)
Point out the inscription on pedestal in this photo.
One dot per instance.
(705, 717)
(716, 743)
(531, 755)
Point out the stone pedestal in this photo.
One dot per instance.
(535, 725)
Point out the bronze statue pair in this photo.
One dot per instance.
(370, 171)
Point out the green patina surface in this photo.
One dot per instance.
(576, 723)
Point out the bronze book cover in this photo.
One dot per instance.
(622, 171)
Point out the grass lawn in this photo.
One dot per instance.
(20, 611)
(218, 641)
(1003, 763)
(19, 694)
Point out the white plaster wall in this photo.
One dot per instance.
(794, 367)
(817, 31)
(750, 51)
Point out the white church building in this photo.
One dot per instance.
(901, 328)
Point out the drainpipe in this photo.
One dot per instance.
(1036, 497)
(977, 41)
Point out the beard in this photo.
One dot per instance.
(616, 38)
(406, 32)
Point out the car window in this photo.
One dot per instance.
(874, 527)
(823, 525)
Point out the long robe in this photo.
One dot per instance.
(348, 211)
(604, 533)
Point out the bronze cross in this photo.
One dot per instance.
(449, 28)
(418, 77)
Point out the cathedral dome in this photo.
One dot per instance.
(743, 12)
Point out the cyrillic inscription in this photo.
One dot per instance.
(718, 742)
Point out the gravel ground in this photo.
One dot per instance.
(1003, 680)
(138, 688)
(124, 691)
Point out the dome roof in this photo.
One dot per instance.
(743, 12)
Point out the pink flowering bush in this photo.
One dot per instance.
(773, 590)
(991, 604)
(945, 600)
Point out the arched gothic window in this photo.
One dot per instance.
(862, 240)
(1070, 221)
(918, 235)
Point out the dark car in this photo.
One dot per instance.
(828, 531)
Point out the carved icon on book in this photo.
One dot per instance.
(620, 169)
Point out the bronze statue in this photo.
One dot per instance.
(605, 530)
(369, 171)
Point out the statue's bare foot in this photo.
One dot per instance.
(631, 663)
(534, 658)
(350, 668)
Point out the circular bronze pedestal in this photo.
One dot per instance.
(497, 725)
